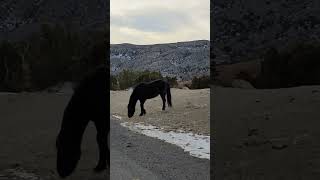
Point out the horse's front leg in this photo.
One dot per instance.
(102, 140)
(163, 97)
(143, 111)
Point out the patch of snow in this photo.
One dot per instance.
(117, 117)
(117, 55)
(121, 56)
(19, 173)
(197, 145)
(174, 63)
(8, 93)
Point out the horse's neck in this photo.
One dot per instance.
(74, 124)
(133, 99)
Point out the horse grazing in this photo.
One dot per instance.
(144, 91)
(88, 102)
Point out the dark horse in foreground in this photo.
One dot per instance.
(144, 91)
(88, 102)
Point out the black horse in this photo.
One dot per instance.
(144, 91)
(88, 102)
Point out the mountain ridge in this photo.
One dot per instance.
(112, 44)
(183, 60)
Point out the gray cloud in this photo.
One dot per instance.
(156, 20)
(146, 21)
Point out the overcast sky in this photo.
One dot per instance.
(159, 21)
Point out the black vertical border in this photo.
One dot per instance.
(212, 70)
(108, 77)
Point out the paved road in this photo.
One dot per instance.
(138, 157)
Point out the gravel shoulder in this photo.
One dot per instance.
(135, 156)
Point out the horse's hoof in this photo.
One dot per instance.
(100, 168)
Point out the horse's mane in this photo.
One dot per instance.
(97, 73)
(87, 95)
(145, 82)
(133, 87)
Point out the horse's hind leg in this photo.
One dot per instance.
(102, 140)
(163, 97)
(143, 111)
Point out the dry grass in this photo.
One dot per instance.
(190, 111)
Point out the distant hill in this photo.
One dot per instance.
(182, 60)
(20, 18)
(243, 29)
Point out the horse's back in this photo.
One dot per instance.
(148, 90)
(158, 81)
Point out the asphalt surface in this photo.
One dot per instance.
(138, 157)
(29, 126)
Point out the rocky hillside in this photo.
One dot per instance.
(182, 60)
(243, 29)
(19, 18)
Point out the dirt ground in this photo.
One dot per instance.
(30, 123)
(190, 111)
(267, 134)
(258, 134)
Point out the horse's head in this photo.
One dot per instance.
(68, 155)
(131, 110)
(132, 104)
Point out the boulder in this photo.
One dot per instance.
(240, 83)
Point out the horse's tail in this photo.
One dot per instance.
(169, 96)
